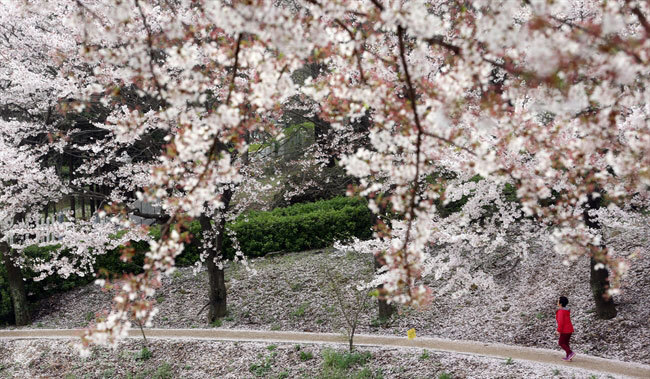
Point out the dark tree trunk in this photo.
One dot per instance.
(82, 200)
(92, 201)
(73, 205)
(598, 279)
(217, 282)
(16, 287)
(385, 310)
(605, 307)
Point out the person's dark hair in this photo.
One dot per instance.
(564, 301)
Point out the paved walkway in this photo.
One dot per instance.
(545, 356)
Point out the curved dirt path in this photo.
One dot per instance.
(545, 356)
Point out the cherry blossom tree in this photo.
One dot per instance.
(464, 99)
(52, 152)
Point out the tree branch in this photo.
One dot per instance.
(438, 40)
(642, 19)
(150, 49)
(234, 71)
(379, 5)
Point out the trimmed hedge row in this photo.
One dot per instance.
(295, 228)
(301, 227)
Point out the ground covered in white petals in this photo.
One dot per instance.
(291, 292)
(203, 359)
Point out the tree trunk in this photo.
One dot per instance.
(598, 279)
(92, 201)
(605, 307)
(385, 310)
(73, 205)
(16, 287)
(217, 282)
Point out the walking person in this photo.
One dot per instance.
(564, 327)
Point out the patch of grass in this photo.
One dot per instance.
(296, 287)
(306, 355)
(67, 376)
(296, 347)
(146, 374)
(264, 367)
(344, 360)
(123, 354)
(39, 325)
(300, 311)
(275, 327)
(425, 355)
(364, 373)
(341, 365)
(88, 316)
(177, 274)
(539, 316)
(509, 361)
(271, 347)
(556, 372)
(163, 372)
(283, 375)
(144, 354)
(445, 375)
(108, 373)
(376, 322)
(216, 323)
(160, 299)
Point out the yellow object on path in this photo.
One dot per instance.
(411, 333)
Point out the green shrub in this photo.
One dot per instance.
(109, 262)
(301, 226)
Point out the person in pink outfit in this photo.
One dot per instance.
(564, 327)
